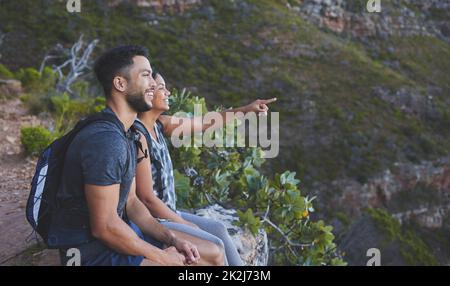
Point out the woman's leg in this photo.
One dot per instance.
(210, 247)
(217, 229)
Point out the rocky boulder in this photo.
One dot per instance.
(254, 250)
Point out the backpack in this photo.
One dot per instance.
(42, 203)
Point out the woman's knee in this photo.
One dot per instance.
(217, 254)
(219, 228)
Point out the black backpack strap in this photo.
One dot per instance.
(141, 128)
(136, 138)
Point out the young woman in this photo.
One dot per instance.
(155, 181)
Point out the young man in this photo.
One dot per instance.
(97, 195)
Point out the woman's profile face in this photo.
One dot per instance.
(161, 96)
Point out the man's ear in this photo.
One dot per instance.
(120, 83)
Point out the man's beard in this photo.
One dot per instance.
(137, 101)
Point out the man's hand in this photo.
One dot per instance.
(189, 250)
(259, 106)
(173, 257)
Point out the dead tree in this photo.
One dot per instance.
(78, 64)
(56, 52)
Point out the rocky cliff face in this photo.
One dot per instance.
(173, 5)
(399, 17)
(413, 193)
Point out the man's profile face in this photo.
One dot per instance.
(140, 85)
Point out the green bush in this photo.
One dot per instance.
(231, 176)
(35, 139)
(65, 109)
(39, 88)
(35, 82)
(66, 112)
(5, 72)
(28, 76)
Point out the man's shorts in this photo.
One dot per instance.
(109, 257)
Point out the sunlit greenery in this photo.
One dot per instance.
(231, 177)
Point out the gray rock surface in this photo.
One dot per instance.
(254, 251)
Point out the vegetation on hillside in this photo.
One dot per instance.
(233, 51)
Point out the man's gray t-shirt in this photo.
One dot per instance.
(101, 154)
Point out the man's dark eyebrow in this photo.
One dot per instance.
(145, 70)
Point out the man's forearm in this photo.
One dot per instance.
(120, 237)
(141, 216)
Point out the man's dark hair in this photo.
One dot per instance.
(115, 62)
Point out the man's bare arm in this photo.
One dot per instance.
(140, 215)
(109, 228)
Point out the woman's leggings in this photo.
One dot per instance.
(210, 230)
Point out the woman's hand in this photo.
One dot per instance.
(259, 106)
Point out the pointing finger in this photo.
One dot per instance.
(267, 101)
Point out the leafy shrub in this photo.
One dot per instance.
(5, 72)
(29, 77)
(230, 176)
(35, 139)
(39, 88)
(67, 112)
(42, 97)
(65, 109)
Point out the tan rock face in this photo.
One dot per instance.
(176, 5)
(381, 190)
(398, 19)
